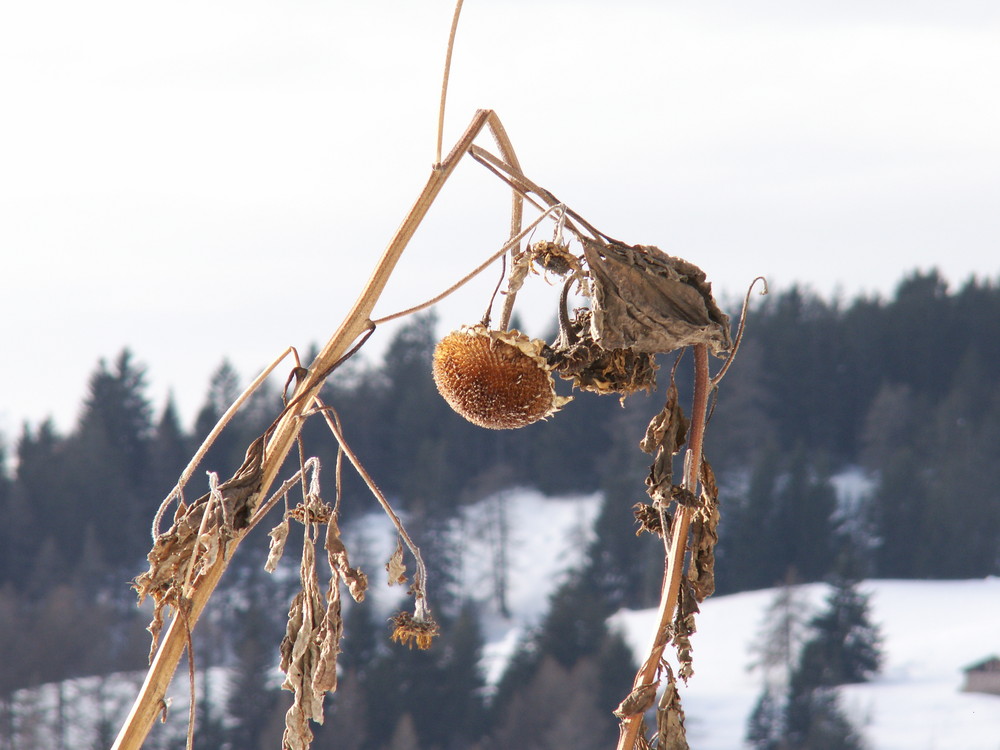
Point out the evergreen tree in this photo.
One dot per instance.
(251, 699)
(107, 458)
(170, 451)
(226, 453)
(784, 521)
(766, 725)
(627, 571)
(815, 721)
(846, 645)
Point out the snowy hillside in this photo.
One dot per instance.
(931, 631)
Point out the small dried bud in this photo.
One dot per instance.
(495, 379)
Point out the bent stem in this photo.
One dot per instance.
(646, 677)
(151, 698)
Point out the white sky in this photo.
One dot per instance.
(199, 180)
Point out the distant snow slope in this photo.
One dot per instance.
(931, 630)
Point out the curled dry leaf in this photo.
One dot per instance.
(705, 535)
(670, 732)
(683, 628)
(665, 436)
(196, 537)
(652, 302)
(276, 547)
(396, 568)
(356, 580)
(640, 699)
(590, 367)
(649, 519)
(309, 652)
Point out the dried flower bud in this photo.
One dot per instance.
(495, 379)
(412, 632)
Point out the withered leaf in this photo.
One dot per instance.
(578, 358)
(331, 631)
(705, 535)
(670, 733)
(396, 568)
(665, 436)
(652, 302)
(357, 581)
(668, 429)
(683, 628)
(276, 547)
(637, 701)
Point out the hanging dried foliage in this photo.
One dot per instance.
(704, 537)
(590, 367)
(651, 302)
(315, 625)
(670, 733)
(197, 537)
(664, 438)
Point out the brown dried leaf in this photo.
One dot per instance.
(652, 302)
(194, 541)
(396, 568)
(668, 429)
(705, 535)
(683, 628)
(331, 631)
(649, 519)
(665, 436)
(301, 654)
(577, 357)
(670, 733)
(640, 699)
(357, 581)
(276, 548)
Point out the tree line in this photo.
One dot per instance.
(907, 388)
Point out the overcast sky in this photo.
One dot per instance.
(200, 180)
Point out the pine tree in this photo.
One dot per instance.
(766, 725)
(846, 645)
(251, 698)
(107, 464)
(226, 453)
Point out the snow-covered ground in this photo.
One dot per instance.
(931, 630)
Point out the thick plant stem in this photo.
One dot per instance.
(674, 567)
(150, 701)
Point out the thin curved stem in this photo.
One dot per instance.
(444, 79)
(513, 241)
(739, 331)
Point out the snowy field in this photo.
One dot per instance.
(931, 630)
